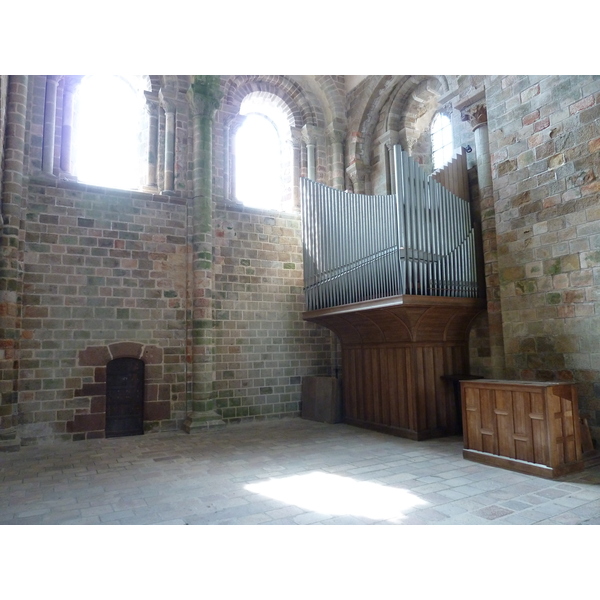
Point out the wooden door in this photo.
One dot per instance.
(124, 397)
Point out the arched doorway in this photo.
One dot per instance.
(124, 397)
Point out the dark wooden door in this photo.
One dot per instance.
(124, 397)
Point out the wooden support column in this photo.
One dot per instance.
(11, 267)
(204, 97)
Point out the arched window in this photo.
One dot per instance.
(262, 155)
(110, 125)
(442, 144)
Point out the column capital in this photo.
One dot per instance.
(205, 95)
(476, 115)
(390, 139)
(296, 136)
(309, 134)
(167, 103)
(71, 82)
(152, 102)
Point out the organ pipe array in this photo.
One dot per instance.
(418, 241)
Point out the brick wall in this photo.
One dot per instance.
(544, 141)
(263, 347)
(102, 268)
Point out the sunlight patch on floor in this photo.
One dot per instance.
(336, 495)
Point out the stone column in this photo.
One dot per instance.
(476, 115)
(296, 160)
(169, 108)
(66, 163)
(389, 140)
(309, 137)
(204, 97)
(49, 124)
(152, 108)
(336, 139)
(11, 267)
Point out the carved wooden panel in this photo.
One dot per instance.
(532, 427)
(395, 353)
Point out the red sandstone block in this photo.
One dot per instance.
(91, 389)
(94, 356)
(98, 404)
(125, 349)
(531, 117)
(157, 411)
(545, 122)
(93, 422)
(594, 145)
(581, 104)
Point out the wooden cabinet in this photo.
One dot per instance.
(395, 352)
(531, 427)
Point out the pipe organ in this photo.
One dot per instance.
(395, 277)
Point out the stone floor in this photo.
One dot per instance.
(280, 472)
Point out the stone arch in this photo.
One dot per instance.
(393, 109)
(237, 88)
(89, 420)
(300, 106)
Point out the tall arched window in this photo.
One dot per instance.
(110, 122)
(442, 144)
(262, 155)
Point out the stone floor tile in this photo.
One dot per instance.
(173, 478)
(492, 512)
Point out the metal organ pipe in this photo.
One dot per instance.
(358, 247)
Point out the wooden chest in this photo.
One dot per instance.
(531, 427)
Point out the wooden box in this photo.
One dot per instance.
(321, 399)
(531, 427)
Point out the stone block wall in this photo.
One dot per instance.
(545, 143)
(105, 274)
(263, 346)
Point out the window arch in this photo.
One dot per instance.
(263, 153)
(442, 144)
(110, 131)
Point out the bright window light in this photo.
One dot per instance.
(262, 152)
(109, 120)
(335, 495)
(441, 140)
(258, 163)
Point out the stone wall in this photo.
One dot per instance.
(102, 268)
(263, 347)
(545, 142)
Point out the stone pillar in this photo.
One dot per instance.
(204, 96)
(309, 137)
(336, 139)
(49, 124)
(169, 108)
(66, 163)
(476, 115)
(296, 160)
(390, 139)
(11, 267)
(152, 108)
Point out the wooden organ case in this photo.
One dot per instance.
(395, 277)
